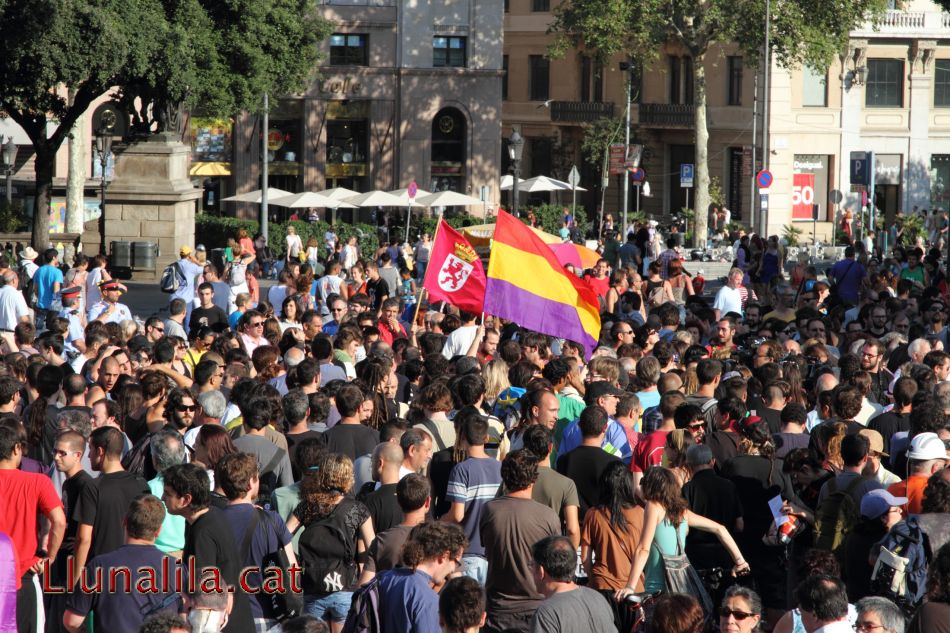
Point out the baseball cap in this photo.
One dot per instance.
(185, 250)
(876, 441)
(600, 388)
(927, 446)
(876, 502)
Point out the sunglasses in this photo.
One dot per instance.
(186, 407)
(725, 612)
(697, 426)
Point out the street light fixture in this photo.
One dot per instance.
(515, 149)
(103, 150)
(9, 162)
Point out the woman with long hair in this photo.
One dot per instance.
(610, 536)
(266, 360)
(288, 314)
(656, 290)
(377, 375)
(212, 443)
(618, 286)
(680, 283)
(323, 493)
(495, 374)
(666, 521)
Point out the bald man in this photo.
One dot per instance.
(383, 507)
(109, 372)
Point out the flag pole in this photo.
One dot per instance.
(422, 293)
(435, 239)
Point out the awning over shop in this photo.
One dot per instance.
(210, 169)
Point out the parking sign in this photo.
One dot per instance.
(686, 175)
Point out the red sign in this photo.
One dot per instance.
(413, 190)
(617, 159)
(803, 196)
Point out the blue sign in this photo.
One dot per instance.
(764, 179)
(637, 174)
(687, 171)
(861, 165)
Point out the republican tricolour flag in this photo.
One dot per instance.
(455, 273)
(528, 285)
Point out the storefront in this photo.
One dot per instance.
(810, 188)
(347, 144)
(888, 172)
(211, 153)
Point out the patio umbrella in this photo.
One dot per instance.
(449, 199)
(507, 182)
(309, 199)
(575, 254)
(403, 194)
(255, 196)
(376, 198)
(541, 184)
(339, 193)
(565, 185)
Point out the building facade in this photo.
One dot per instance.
(407, 91)
(888, 93)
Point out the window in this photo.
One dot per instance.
(540, 5)
(586, 72)
(504, 78)
(814, 88)
(540, 78)
(681, 80)
(735, 80)
(885, 84)
(448, 51)
(942, 83)
(349, 50)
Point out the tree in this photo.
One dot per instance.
(808, 32)
(215, 56)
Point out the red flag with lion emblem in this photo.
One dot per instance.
(455, 273)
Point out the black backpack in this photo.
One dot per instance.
(328, 553)
(268, 478)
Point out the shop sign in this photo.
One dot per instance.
(341, 86)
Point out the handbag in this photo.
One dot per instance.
(681, 576)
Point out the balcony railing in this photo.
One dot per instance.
(579, 111)
(666, 115)
(908, 23)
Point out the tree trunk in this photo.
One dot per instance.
(701, 200)
(76, 178)
(45, 159)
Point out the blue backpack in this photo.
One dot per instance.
(363, 616)
(900, 572)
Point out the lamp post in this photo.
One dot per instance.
(515, 149)
(103, 149)
(627, 68)
(9, 161)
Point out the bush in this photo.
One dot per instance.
(12, 217)
(551, 218)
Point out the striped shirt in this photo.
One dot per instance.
(474, 482)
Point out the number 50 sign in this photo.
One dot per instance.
(803, 196)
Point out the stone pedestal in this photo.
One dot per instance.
(151, 199)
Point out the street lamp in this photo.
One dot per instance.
(9, 162)
(103, 149)
(515, 149)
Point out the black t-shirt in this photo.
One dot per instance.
(293, 440)
(376, 290)
(351, 440)
(887, 424)
(210, 542)
(103, 505)
(772, 417)
(584, 465)
(757, 479)
(724, 446)
(383, 507)
(126, 610)
(439, 470)
(715, 498)
(72, 489)
(213, 317)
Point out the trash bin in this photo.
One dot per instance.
(121, 254)
(143, 255)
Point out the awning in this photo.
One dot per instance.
(210, 169)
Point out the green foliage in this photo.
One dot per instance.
(792, 234)
(213, 231)
(12, 217)
(598, 136)
(912, 226)
(218, 56)
(716, 195)
(551, 218)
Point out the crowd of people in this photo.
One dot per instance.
(332, 453)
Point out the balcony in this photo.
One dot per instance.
(667, 115)
(917, 24)
(579, 111)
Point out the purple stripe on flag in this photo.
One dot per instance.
(528, 310)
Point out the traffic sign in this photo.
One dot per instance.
(413, 190)
(836, 196)
(764, 179)
(617, 159)
(637, 174)
(687, 170)
(574, 178)
(861, 163)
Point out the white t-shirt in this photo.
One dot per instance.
(459, 341)
(294, 246)
(276, 296)
(12, 307)
(728, 300)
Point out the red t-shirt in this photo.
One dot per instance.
(23, 496)
(600, 286)
(648, 452)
